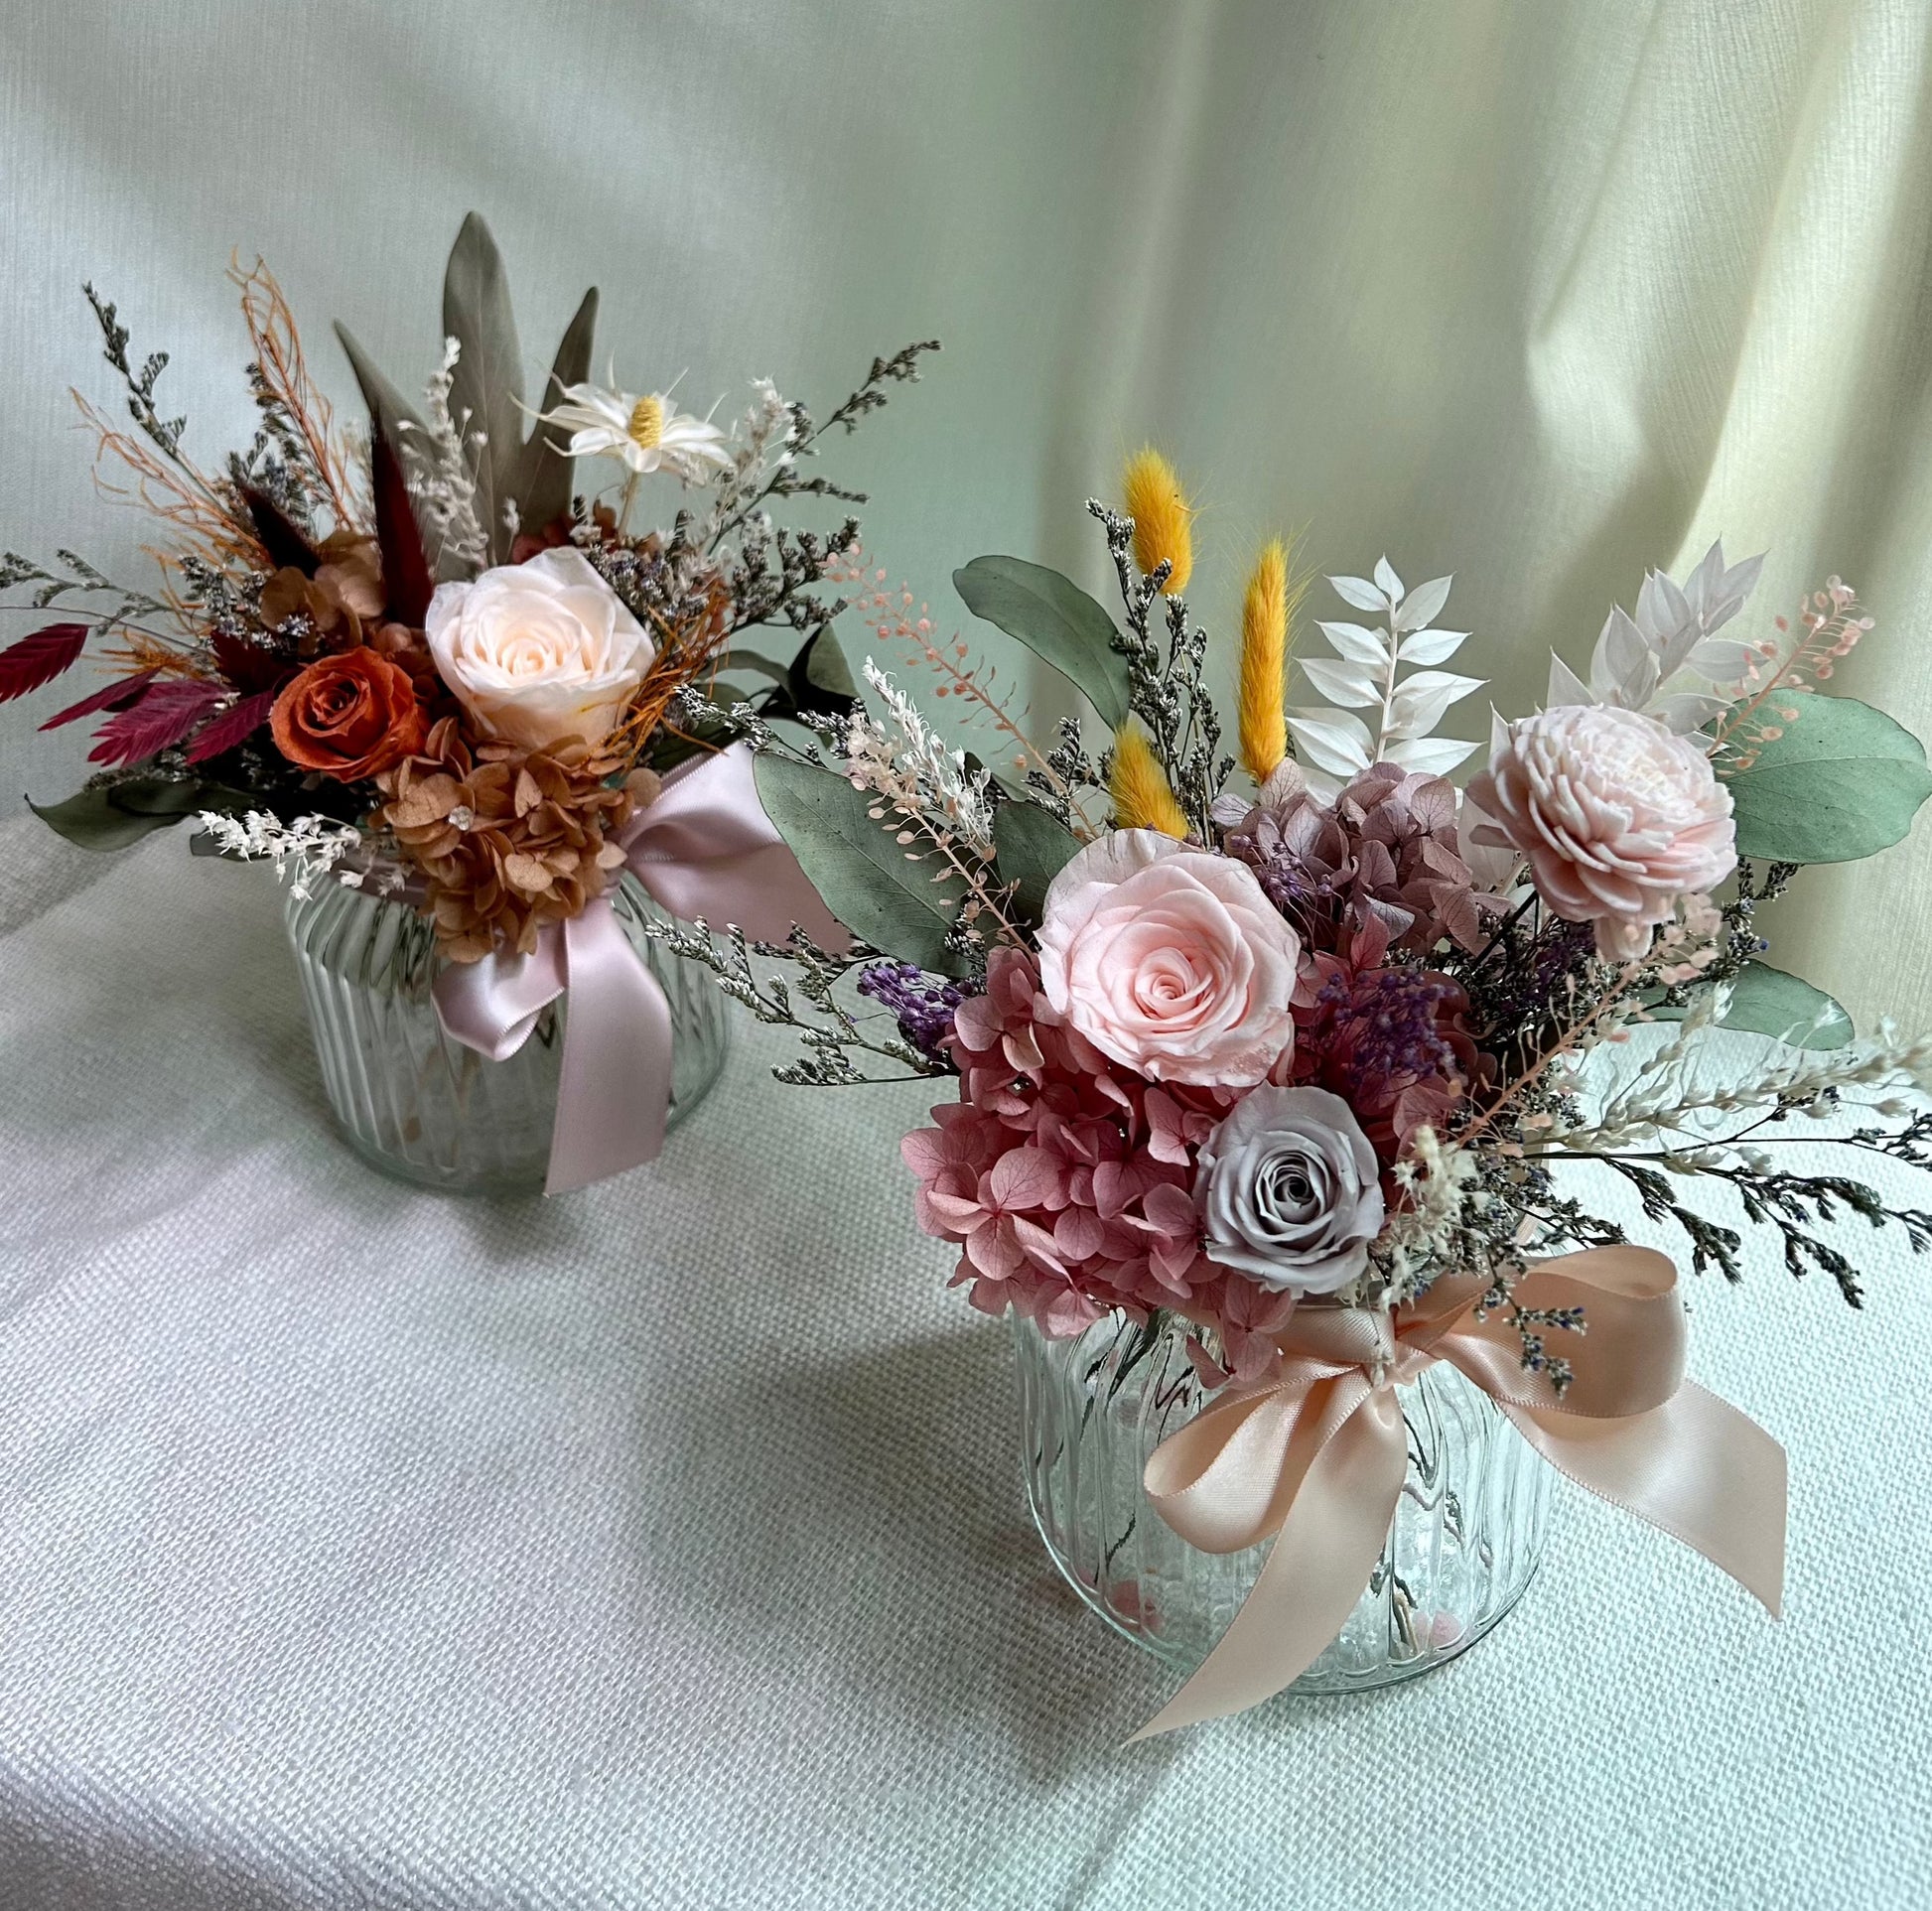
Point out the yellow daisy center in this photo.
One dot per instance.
(646, 426)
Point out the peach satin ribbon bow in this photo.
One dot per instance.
(1317, 1458)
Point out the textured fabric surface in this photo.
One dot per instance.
(663, 1546)
(1540, 292)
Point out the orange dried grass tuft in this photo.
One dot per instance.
(284, 373)
(174, 491)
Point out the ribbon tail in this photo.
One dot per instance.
(492, 1006)
(1695, 1468)
(613, 1096)
(1321, 1561)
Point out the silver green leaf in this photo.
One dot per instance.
(546, 473)
(1056, 621)
(1032, 845)
(1768, 1002)
(1841, 782)
(882, 891)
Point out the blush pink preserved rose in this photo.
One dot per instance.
(1617, 816)
(1170, 960)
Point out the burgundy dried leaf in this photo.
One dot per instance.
(233, 726)
(115, 696)
(281, 537)
(165, 714)
(38, 659)
(406, 579)
(249, 663)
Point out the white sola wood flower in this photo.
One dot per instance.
(645, 430)
(1367, 674)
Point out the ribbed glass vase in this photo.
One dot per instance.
(426, 1109)
(1465, 1540)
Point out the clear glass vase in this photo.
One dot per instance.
(425, 1109)
(1466, 1535)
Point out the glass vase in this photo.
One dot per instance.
(428, 1110)
(1466, 1535)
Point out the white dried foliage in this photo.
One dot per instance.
(912, 768)
(1387, 669)
(1668, 660)
(303, 852)
(441, 465)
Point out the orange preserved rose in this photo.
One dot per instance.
(348, 716)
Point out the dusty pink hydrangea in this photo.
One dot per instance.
(1617, 816)
(1386, 847)
(1170, 960)
(1065, 1179)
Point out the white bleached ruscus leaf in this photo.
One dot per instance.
(1421, 702)
(1356, 644)
(1333, 740)
(1353, 684)
(1383, 670)
(1422, 603)
(1433, 647)
(1361, 594)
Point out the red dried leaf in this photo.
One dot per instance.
(165, 714)
(233, 726)
(113, 696)
(406, 579)
(249, 664)
(38, 659)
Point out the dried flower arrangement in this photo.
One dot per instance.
(1300, 1061)
(417, 659)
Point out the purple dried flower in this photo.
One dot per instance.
(922, 1004)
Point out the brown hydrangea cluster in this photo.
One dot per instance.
(1386, 848)
(508, 839)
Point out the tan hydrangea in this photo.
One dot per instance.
(508, 839)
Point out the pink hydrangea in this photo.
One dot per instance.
(1065, 1178)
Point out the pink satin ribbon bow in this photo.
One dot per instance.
(705, 848)
(1318, 1457)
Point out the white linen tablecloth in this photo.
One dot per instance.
(663, 1545)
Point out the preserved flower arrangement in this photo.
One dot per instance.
(415, 663)
(1265, 1083)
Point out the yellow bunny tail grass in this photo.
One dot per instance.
(1162, 517)
(1265, 614)
(1138, 787)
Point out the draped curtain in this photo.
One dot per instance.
(1540, 292)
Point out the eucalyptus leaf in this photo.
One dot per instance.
(826, 668)
(113, 817)
(758, 666)
(1056, 621)
(1032, 846)
(1841, 782)
(1768, 1002)
(882, 891)
(546, 474)
(487, 387)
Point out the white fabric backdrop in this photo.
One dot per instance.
(1539, 291)
(359, 1548)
